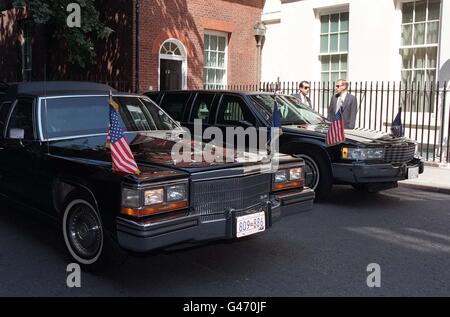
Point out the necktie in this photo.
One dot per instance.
(339, 104)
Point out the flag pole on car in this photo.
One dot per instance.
(397, 127)
(336, 133)
(122, 158)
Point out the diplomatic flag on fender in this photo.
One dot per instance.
(397, 127)
(336, 133)
(122, 157)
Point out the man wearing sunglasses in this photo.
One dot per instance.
(303, 93)
(346, 103)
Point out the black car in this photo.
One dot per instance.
(53, 160)
(368, 160)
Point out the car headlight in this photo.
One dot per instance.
(176, 192)
(295, 173)
(146, 202)
(154, 196)
(281, 176)
(362, 154)
(131, 198)
(288, 179)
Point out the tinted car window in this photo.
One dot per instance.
(22, 118)
(233, 111)
(67, 116)
(292, 112)
(153, 96)
(202, 107)
(174, 103)
(5, 107)
(159, 118)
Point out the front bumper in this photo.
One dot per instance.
(357, 172)
(142, 236)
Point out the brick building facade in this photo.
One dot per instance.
(182, 44)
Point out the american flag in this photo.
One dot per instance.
(336, 131)
(397, 127)
(122, 157)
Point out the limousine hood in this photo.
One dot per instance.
(352, 136)
(155, 149)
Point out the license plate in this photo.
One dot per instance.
(413, 172)
(250, 224)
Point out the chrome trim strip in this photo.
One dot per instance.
(222, 176)
(88, 95)
(39, 123)
(5, 132)
(75, 137)
(158, 184)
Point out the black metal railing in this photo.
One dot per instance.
(425, 109)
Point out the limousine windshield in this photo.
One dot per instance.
(292, 111)
(86, 115)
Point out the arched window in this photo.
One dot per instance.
(170, 48)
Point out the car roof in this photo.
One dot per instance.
(212, 91)
(52, 88)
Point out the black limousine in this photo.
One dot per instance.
(53, 160)
(368, 160)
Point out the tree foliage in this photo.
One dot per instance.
(79, 41)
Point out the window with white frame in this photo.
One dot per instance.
(215, 60)
(420, 40)
(334, 46)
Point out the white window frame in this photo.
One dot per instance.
(219, 34)
(329, 12)
(425, 46)
(425, 114)
(182, 58)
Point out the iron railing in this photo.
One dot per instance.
(425, 109)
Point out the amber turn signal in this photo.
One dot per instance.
(287, 185)
(154, 210)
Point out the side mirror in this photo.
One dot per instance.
(16, 134)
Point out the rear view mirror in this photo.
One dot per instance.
(16, 134)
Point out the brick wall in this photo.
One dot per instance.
(187, 21)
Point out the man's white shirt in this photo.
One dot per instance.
(340, 101)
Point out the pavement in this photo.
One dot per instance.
(325, 252)
(434, 179)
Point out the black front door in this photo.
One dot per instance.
(170, 74)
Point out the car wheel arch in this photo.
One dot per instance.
(292, 149)
(63, 187)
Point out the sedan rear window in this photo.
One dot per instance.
(87, 115)
(74, 116)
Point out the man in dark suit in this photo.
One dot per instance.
(302, 95)
(346, 103)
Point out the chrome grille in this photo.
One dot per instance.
(216, 196)
(399, 153)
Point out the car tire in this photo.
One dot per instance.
(317, 173)
(83, 233)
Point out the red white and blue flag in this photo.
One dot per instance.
(335, 133)
(122, 157)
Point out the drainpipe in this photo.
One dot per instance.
(260, 34)
(137, 79)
